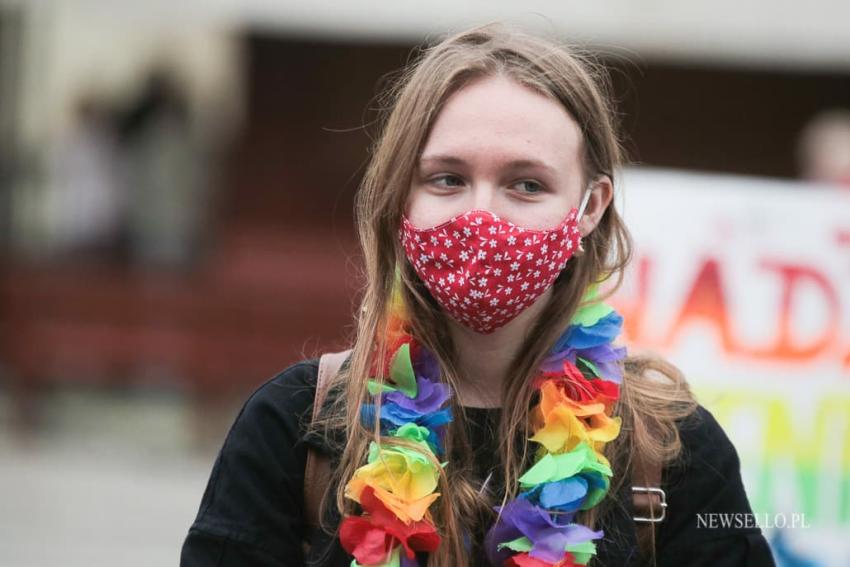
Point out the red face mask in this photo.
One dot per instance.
(482, 270)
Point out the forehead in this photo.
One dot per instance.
(497, 117)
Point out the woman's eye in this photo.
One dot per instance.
(530, 187)
(448, 179)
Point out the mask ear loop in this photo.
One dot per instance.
(585, 199)
(580, 249)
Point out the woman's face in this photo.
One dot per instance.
(502, 147)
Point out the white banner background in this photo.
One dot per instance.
(744, 283)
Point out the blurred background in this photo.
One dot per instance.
(176, 185)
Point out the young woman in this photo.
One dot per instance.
(484, 415)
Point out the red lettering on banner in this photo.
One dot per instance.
(706, 302)
(783, 346)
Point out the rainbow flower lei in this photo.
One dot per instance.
(578, 383)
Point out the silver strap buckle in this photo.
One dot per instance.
(663, 505)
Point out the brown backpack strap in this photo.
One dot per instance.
(317, 469)
(650, 502)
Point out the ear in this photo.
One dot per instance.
(601, 193)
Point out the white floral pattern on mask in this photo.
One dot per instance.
(484, 270)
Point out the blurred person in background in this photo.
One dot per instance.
(484, 415)
(823, 149)
(86, 203)
(162, 171)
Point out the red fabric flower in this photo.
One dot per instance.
(578, 388)
(393, 344)
(370, 538)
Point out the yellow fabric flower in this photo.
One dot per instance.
(561, 423)
(404, 480)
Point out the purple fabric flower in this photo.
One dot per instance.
(548, 537)
(426, 365)
(429, 397)
(604, 357)
(424, 410)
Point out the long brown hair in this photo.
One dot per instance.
(649, 406)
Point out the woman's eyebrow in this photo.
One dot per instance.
(442, 159)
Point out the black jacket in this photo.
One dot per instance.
(251, 514)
